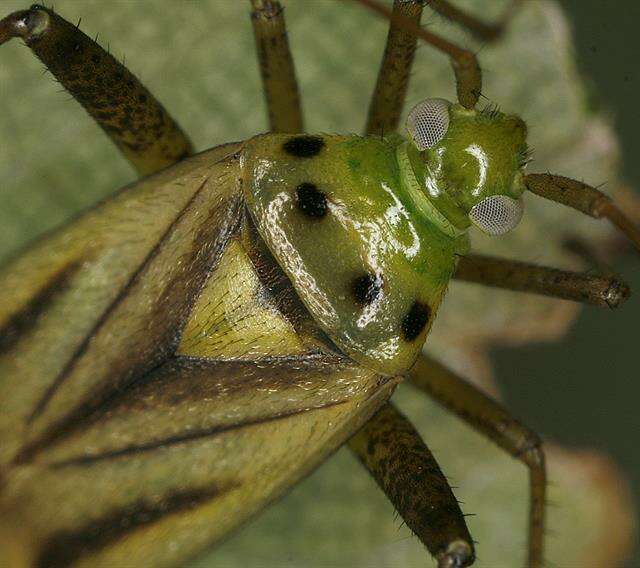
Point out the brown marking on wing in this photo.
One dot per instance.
(280, 291)
(189, 437)
(135, 277)
(65, 547)
(184, 287)
(177, 297)
(183, 380)
(23, 321)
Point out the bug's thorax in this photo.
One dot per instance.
(367, 263)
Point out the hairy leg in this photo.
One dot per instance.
(276, 67)
(599, 290)
(490, 418)
(404, 468)
(134, 120)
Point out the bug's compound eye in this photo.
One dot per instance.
(428, 122)
(497, 214)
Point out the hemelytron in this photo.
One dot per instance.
(181, 354)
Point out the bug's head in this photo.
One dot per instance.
(469, 163)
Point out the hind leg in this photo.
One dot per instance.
(133, 119)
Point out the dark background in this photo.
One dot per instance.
(584, 391)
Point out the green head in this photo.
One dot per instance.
(467, 165)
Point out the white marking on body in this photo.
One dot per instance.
(287, 252)
(483, 164)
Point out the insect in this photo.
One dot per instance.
(86, 435)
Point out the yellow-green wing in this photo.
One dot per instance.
(99, 301)
(160, 382)
(172, 465)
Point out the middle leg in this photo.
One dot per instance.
(594, 289)
(490, 418)
(402, 465)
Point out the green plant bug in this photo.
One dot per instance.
(179, 355)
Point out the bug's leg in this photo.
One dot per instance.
(464, 62)
(490, 418)
(584, 198)
(598, 290)
(393, 77)
(134, 120)
(481, 30)
(276, 67)
(402, 465)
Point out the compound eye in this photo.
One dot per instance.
(428, 122)
(497, 214)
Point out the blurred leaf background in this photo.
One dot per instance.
(198, 58)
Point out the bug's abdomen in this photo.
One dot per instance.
(333, 213)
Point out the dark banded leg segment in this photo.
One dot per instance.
(404, 468)
(464, 62)
(481, 30)
(598, 290)
(276, 67)
(134, 120)
(491, 419)
(393, 77)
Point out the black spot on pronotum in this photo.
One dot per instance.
(366, 289)
(415, 320)
(303, 146)
(311, 201)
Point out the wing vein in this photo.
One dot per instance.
(83, 346)
(184, 438)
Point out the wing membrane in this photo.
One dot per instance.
(150, 481)
(83, 325)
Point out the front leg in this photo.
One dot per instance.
(480, 29)
(464, 62)
(402, 465)
(390, 91)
